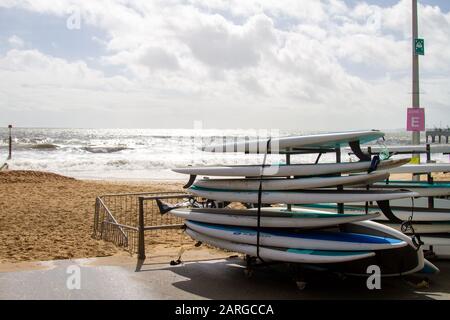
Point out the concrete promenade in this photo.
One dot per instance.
(107, 278)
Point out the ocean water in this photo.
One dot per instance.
(141, 154)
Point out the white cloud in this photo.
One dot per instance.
(16, 42)
(219, 43)
(287, 63)
(153, 58)
(32, 68)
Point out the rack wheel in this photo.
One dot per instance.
(249, 259)
(248, 273)
(430, 254)
(301, 285)
(342, 276)
(300, 279)
(425, 284)
(420, 283)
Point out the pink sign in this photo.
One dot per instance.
(416, 119)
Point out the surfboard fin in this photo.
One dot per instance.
(356, 148)
(192, 178)
(385, 207)
(374, 164)
(164, 207)
(198, 244)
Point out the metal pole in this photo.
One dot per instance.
(10, 142)
(415, 70)
(288, 162)
(415, 82)
(428, 150)
(141, 227)
(340, 206)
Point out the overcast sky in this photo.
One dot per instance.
(303, 64)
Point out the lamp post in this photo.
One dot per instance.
(10, 142)
(415, 70)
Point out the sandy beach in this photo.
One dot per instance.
(45, 216)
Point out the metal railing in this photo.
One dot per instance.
(132, 220)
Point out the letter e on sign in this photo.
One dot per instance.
(415, 119)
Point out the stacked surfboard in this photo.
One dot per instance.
(429, 212)
(265, 229)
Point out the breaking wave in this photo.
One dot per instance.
(102, 149)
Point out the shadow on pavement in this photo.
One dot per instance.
(226, 279)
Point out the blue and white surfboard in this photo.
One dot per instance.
(315, 240)
(283, 254)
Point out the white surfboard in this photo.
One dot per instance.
(423, 228)
(422, 192)
(403, 208)
(419, 215)
(436, 240)
(269, 219)
(422, 202)
(422, 168)
(280, 254)
(314, 240)
(300, 197)
(439, 148)
(423, 223)
(282, 144)
(403, 213)
(402, 261)
(423, 188)
(429, 268)
(290, 184)
(288, 170)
